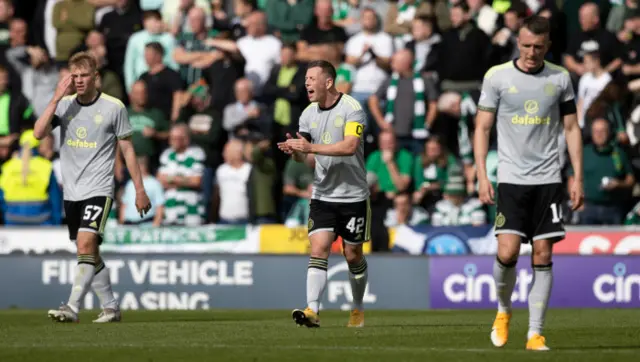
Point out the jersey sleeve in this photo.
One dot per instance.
(489, 97)
(122, 126)
(567, 88)
(355, 122)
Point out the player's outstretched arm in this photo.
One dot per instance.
(573, 134)
(142, 200)
(484, 122)
(43, 127)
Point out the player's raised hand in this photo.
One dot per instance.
(577, 195)
(284, 146)
(63, 88)
(299, 144)
(485, 191)
(143, 204)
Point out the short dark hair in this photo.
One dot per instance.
(537, 25)
(519, 8)
(151, 14)
(462, 4)
(327, 68)
(289, 45)
(156, 46)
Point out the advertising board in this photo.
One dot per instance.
(578, 282)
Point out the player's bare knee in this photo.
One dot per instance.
(321, 244)
(87, 243)
(542, 252)
(508, 248)
(353, 253)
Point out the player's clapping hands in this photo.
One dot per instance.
(299, 144)
(284, 146)
(143, 204)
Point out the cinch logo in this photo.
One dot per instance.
(472, 287)
(531, 107)
(81, 144)
(617, 287)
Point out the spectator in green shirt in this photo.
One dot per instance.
(149, 124)
(608, 179)
(297, 178)
(430, 172)
(391, 166)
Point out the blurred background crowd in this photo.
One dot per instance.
(211, 87)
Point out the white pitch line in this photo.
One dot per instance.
(307, 347)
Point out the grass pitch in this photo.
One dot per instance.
(221, 335)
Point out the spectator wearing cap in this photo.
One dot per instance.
(205, 130)
(260, 51)
(591, 31)
(192, 53)
(466, 51)
(15, 117)
(322, 36)
(592, 82)
(455, 209)
(29, 191)
(73, 19)
(38, 74)
(368, 53)
(134, 62)
(117, 26)
(410, 103)
(289, 17)
(608, 179)
(164, 84)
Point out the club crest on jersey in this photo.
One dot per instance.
(326, 138)
(550, 89)
(97, 119)
(338, 122)
(81, 133)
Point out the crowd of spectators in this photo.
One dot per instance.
(211, 87)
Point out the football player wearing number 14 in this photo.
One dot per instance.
(91, 124)
(532, 101)
(331, 128)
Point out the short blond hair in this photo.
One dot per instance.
(83, 59)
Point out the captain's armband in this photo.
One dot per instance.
(353, 129)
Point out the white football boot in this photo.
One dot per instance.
(64, 314)
(108, 315)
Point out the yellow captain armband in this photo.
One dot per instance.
(353, 129)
